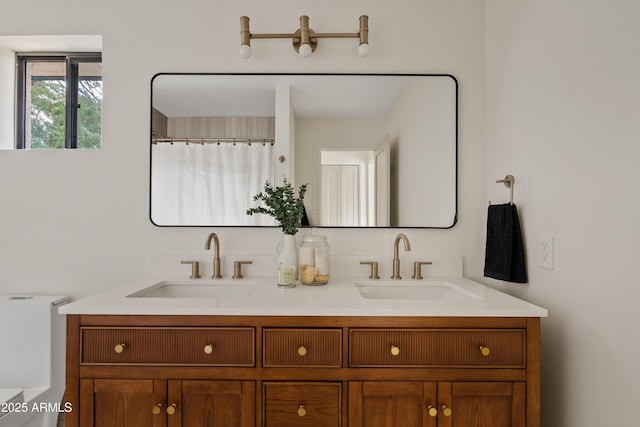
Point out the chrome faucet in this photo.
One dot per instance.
(216, 258)
(396, 258)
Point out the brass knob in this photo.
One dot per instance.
(302, 350)
(301, 411)
(432, 411)
(485, 350)
(446, 411)
(171, 409)
(395, 350)
(119, 348)
(208, 349)
(156, 409)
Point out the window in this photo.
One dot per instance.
(59, 102)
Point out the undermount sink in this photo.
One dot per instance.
(219, 289)
(408, 290)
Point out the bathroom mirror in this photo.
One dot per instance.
(375, 150)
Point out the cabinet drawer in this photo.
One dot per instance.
(302, 404)
(438, 347)
(302, 347)
(168, 346)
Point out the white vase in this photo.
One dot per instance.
(287, 261)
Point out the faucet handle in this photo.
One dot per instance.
(237, 268)
(417, 269)
(374, 269)
(195, 269)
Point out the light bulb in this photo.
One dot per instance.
(305, 50)
(245, 51)
(363, 49)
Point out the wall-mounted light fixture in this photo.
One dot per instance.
(304, 40)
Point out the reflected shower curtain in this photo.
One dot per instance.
(208, 184)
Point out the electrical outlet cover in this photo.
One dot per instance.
(545, 251)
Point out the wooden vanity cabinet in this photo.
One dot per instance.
(204, 371)
(382, 403)
(159, 403)
(477, 404)
(442, 404)
(120, 402)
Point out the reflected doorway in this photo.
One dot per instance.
(355, 187)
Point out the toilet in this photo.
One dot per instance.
(32, 360)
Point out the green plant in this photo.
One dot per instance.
(282, 204)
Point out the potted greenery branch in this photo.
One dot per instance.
(282, 204)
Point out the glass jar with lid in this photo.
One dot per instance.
(313, 258)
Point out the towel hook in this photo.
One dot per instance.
(509, 182)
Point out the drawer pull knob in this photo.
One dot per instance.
(301, 411)
(302, 350)
(171, 409)
(119, 348)
(446, 411)
(432, 411)
(395, 350)
(156, 409)
(208, 349)
(485, 351)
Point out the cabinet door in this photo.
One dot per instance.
(123, 403)
(390, 403)
(482, 404)
(211, 403)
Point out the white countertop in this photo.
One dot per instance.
(339, 297)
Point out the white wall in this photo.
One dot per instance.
(77, 222)
(563, 116)
(429, 136)
(7, 84)
(285, 137)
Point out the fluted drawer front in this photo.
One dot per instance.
(302, 347)
(438, 347)
(168, 346)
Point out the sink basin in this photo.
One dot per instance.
(219, 289)
(404, 290)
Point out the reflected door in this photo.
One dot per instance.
(340, 195)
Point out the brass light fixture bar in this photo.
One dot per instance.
(304, 39)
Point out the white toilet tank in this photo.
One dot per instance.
(32, 359)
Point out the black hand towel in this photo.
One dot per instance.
(504, 253)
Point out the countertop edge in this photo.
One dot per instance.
(338, 298)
